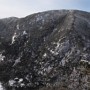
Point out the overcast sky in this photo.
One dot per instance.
(21, 8)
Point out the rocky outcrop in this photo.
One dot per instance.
(46, 51)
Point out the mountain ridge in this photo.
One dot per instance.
(45, 51)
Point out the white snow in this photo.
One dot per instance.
(20, 80)
(18, 27)
(45, 54)
(40, 72)
(38, 18)
(1, 87)
(85, 61)
(11, 82)
(58, 44)
(16, 61)
(63, 62)
(63, 47)
(54, 52)
(1, 57)
(13, 38)
(22, 84)
(54, 43)
(16, 78)
(49, 69)
(24, 32)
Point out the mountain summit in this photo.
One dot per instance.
(46, 51)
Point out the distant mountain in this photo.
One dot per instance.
(46, 51)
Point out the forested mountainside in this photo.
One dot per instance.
(46, 51)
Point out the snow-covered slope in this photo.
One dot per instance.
(45, 51)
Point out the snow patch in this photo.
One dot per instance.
(16, 61)
(13, 38)
(1, 87)
(24, 32)
(58, 44)
(11, 82)
(17, 27)
(20, 80)
(39, 18)
(45, 54)
(47, 69)
(85, 61)
(54, 52)
(22, 84)
(63, 62)
(1, 57)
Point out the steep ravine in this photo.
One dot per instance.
(46, 51)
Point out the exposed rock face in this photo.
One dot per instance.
(46, 51)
